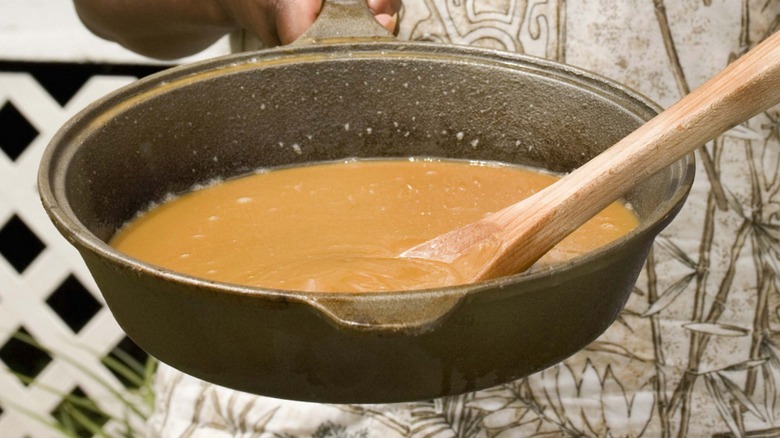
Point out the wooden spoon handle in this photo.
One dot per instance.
(748, 86)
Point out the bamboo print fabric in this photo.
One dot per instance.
(696, 352)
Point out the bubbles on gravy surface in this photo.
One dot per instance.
(340, 226)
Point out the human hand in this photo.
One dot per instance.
(277, 22)
(169, 29)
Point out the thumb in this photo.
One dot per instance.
(385, 12)
(293, 18)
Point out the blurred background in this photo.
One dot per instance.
(66, 368)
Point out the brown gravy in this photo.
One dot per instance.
(340, 226)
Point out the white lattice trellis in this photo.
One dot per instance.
(23, 296)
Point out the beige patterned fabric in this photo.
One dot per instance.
(696, 351)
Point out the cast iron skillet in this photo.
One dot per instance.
(332, 95)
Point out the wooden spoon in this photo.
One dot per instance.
(511, 240)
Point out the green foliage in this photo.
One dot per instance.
(78, 416)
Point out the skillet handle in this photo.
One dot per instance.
(344, 20)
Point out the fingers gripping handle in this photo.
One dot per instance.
(344, 20)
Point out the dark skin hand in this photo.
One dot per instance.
(169, 29)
